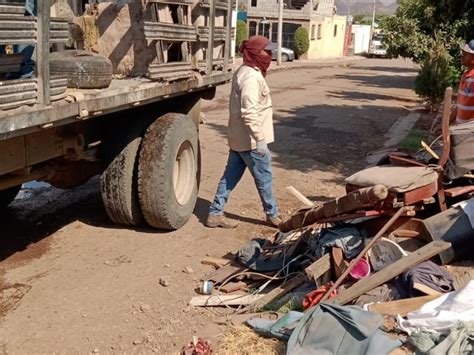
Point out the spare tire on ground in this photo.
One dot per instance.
(84, 70)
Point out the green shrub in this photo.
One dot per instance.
(437, 72)
(301, 41)
(242, 33)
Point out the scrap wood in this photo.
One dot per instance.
(302, 198)
(223, 273)
(462, 280)
(279, 291)
(233, 286)
(216, 262)
(351, 202)
(426, 289)
(355, 261)
(429, 150)
(319, 267)
(401, 307)
(388, 273)
(224, 300)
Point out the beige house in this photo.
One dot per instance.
(326, 29)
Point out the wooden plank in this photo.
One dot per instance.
(223, 273)
(319, 267)
(42, 52)
(462, 280)
(233, 286)
(216, 262)
(426, 289)
(278, 292)
(369, 283)
(302, 198)
(224, 300)
(458, 191)
(401, 307)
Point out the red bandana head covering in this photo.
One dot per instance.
(251, 51)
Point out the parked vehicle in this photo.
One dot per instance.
(287, 55)
(138, 131)
(377, 47)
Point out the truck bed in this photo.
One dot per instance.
(84, 104)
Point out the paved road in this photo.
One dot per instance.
(73, 282)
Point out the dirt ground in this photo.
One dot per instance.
(72, 282)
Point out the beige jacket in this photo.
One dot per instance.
(250, 108)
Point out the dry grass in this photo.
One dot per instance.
(243, 340)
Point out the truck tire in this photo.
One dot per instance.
(119, 187)
(84, 70)
(168, 171)
(8, 195)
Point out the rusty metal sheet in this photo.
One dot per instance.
(169, 32)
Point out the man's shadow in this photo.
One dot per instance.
(202, 210)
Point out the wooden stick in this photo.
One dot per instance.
(363, 252)
(448, 94)
(224, 300)
(302, 198)
(429, 150)
(391, 271)
(401, 307)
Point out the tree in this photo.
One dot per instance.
(242, 33)
(420, 27)
(301, 43)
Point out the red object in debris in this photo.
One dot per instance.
(314, 297)
(361, 270)
(198, 346)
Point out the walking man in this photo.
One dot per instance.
(250, 130)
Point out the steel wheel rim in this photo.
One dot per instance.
(184, 173)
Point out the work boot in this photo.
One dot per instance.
(214, 221)
(274, 222)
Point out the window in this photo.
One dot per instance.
(252, 28)
(313, 32)
(253, 3)
(335, 30)
(319, 31)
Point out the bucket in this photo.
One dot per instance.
(361, 270)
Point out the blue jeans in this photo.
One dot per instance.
(260, 168)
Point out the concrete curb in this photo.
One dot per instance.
(399, 130)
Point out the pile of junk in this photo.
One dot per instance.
(385, 267)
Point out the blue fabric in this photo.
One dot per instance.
(331, 329)
(260, 168)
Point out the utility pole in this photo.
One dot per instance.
(372, 28)
(280, 31)
(373, 21)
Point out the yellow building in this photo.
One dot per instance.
(327, 37)
(326, 29)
